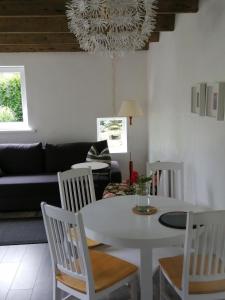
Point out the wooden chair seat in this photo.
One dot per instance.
(173, 267)
(107, 270)
(90, 243)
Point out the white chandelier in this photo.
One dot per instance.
(111, 25)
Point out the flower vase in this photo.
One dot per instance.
(142, 194)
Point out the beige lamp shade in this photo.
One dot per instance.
(130, 108)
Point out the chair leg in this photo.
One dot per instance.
(162, 293)
(134, 289)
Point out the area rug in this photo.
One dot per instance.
(17, 231)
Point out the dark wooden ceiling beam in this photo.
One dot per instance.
(32, 7)
(57, 7)
(24, 24)
(40, 48)
(58, 24)
(177, 6)
(41, 25)
(41, 42)
(165, 22)
(48, 38)
(37, 38)
(154, 38)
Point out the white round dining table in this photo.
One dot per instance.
(112, 221)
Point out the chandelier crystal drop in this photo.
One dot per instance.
(111, 25)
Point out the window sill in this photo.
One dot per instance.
(17, 130)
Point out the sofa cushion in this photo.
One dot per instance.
(1, 173)
(61, 157)
(24, 192)
(28, 179)
(21, 158)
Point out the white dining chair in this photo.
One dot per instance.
(76, 189)
(167, 179)
(200, 272)
(80, 272)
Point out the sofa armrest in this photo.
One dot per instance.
(115, 172)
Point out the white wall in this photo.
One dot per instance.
(131, 83)
(68, 91)
(194, 52)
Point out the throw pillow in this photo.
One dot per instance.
(102, 156)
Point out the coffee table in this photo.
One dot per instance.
(94, 165)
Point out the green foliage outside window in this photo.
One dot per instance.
(10, 99)
(6, 114)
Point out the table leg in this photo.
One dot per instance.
(146, 280)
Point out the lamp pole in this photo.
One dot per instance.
(130, 169)
(130, 161)
(130, 109)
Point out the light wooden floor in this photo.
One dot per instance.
(25, 274)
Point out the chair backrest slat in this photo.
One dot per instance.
(78, 192)
(172, 179)
(88, 190)
(72, 204)
(67, 242)
(165, 182)
(70, 194)
(157, 180)
(204, 250)
(217, 251)
(196, 253)
(153, 187)
(167, 179)
(52, 224)
(76, 188)
(211, 248)
(66, 194)
(70, 245)
(61, 241)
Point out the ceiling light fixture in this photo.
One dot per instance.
(112, 26)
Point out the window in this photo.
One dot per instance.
(13, 102)
(114, 130)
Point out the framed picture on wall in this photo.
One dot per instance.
(215, 97)
(198, 99)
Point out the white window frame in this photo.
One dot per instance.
(124, 133)
(17, 126)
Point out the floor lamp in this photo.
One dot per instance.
(130, 109)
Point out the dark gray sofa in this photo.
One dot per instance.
(29, 173)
